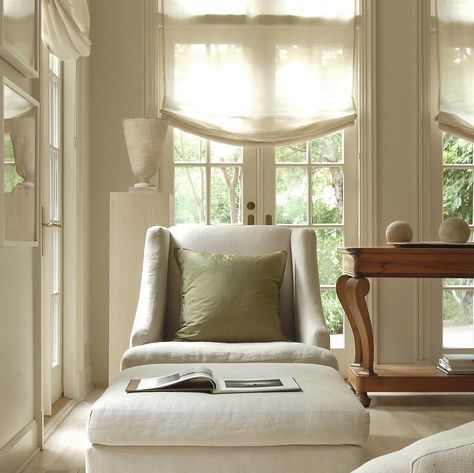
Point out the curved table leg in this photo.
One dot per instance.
(363, 398)
(356, 290)
(341, 294)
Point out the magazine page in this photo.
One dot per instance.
(257, 385)
(177, 380)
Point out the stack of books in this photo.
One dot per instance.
(456, 363)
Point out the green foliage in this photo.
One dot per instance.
(329, 259)
(291, 194)
(332, 312)
(10, 177)
(328, 149)
(457, 307)
(457, 183)
(457, 202)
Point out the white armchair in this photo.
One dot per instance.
(158, 313)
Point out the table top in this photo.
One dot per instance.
(418, 261)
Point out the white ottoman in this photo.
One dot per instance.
(318, 430)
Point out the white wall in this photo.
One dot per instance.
(18, 281)
(397, 166)
(117, 92)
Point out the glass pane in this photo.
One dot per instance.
(221, 153)
(457, 194)
(55, 190)
(55, 260)
(8, 155)
(456, 150)
(190, 194)
(188, 148)
(226, 193)
(333, 313)
(458, 329)
(54, 114)
(328, 195)
(328, 149)
(55, 65)
(291, 154)
(291, 195)
(329, 259)
(458, 282)
(19, 129)
(55, 330)
(11, 178)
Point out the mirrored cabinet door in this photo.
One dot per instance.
(19, 166)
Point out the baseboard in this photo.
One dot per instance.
(58, 419)
(18, 452)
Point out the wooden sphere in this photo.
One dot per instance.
(398, 232)
(454, 230)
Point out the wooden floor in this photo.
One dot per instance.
(396, 421)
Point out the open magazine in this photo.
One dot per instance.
(201, 379)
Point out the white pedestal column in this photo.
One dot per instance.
(131, 213)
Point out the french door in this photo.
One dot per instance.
(310, 185)
(52, 241)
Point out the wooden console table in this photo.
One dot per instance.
(352, 287)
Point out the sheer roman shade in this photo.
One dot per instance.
(256, 72)
(65, 27)
(456, 66)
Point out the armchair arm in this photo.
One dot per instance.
(310, 326)
(148, 325)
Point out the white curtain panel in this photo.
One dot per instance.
(259, 72)
(456, 66)
(65, 27)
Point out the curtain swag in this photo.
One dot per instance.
(253, 72)
(65, 27)
(455, 30)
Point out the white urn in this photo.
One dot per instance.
(22, 131)
(145, 138)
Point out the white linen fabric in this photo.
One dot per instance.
(65, 27)
(256, 73)
(149, 325)
(158, 313)
(325, 412)
(449, 451)
(279, 459)
(455, 31)
(213, 352)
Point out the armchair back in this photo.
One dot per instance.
(223, 239)
(159, 305)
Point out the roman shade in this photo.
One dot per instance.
(254, 72)
(455, 29)
(65, 27)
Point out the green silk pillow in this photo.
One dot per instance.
(230, 298)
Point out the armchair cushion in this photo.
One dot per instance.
(214, 352)
(230, 298)
(449, 451)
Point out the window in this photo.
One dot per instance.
(458, 309)
(207, 180)
(258, 74)
(309, 191)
